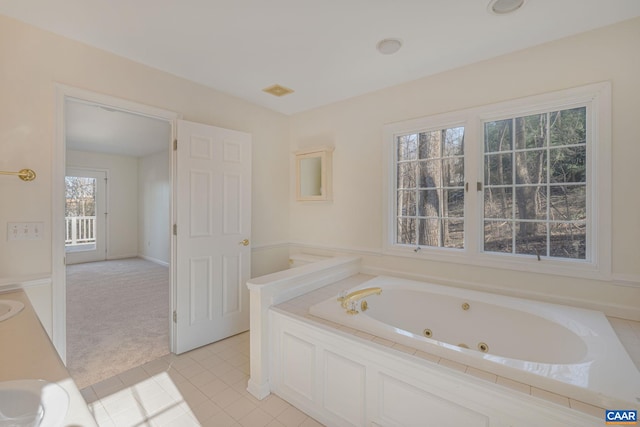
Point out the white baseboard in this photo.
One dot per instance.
(155, 260)
(121, 256)
(259, 391)
(12, 284)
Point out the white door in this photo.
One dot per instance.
(213, 221)
(85, 215)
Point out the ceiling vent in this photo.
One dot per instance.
(277, 90)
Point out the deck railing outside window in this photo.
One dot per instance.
(80, 230)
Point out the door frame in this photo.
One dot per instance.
(58, 276)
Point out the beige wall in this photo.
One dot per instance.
(33, 61)
(154, 190)
(353, 221)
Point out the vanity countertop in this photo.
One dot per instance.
(27, 353)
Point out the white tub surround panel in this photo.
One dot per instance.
(336, 380)
(296, 260)
(279, 287)
(346, 377)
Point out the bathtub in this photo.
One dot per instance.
(532, 342)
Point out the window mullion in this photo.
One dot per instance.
(441, 190)
(513, 186)
(548, 148)
(417, 194)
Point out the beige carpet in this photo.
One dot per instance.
(117, 317)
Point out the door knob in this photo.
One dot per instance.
(245, 242)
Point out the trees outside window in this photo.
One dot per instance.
(80, 196)
(505, 185)
(535, 179)
(80, 210)
(430, 188)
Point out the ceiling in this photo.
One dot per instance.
(91, 127)
(324, 49)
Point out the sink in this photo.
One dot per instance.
(9, 308)
(32, 403)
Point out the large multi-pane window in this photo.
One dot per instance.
(506, 184)
(430, 188)
(535, 181)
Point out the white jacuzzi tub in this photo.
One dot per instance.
(504, 335)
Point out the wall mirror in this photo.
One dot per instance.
(313, 174)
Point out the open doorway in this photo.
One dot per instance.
(208, 222)
(117, 238)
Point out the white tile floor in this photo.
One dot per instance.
(204, 387)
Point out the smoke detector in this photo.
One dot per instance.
(389, 46)
(504, 7)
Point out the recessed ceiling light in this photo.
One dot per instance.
(277, 90)
(389, 46)
(502, 7)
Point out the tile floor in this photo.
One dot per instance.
(204, 387)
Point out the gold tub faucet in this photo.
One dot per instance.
(348, 301)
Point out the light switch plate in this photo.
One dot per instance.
(24, 230)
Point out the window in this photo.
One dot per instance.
(430, 188)
(518, 184)
(80, 212)
(535, 182)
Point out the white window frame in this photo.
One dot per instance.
(597, 99)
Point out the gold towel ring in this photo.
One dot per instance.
(23, 174)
